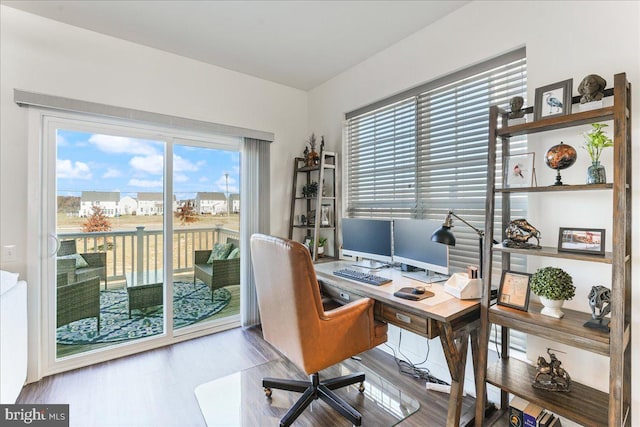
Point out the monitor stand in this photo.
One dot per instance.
(370, 264)
(425, 276)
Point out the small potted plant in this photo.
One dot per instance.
(596, 141)
(310, 189)
(553, 285)
(322, 242)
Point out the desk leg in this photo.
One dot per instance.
(455, 345)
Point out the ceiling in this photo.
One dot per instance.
(296, 43)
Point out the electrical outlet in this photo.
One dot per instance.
(9, 253)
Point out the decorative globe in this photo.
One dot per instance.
(560, 156)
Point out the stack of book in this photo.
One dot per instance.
(525, 414)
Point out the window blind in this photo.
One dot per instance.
(420, 156)
(423, 152)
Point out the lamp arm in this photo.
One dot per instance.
(477, 230)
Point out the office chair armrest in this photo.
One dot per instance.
(352, 309)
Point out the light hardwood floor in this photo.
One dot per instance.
(156, 388)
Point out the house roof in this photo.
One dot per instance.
(100, 196)
(204, 195)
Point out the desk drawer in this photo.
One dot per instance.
(420, 325)
(339, 295)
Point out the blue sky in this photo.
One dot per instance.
(97, 162)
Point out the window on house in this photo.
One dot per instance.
(424, 151)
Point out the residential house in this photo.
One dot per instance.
(108, 201)
(210, 203)
(128, 206)
(150, 203)
(235, 203)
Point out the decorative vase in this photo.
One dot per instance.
(313, 159)
(320, 250)
(552, 307)
(596, 174)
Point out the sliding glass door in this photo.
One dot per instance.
(145, 225)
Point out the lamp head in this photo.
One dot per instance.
(444, 234)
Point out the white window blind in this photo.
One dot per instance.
(424, 151)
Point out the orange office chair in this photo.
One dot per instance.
(295, 323)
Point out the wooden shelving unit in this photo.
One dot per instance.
(324, 173)
(584, 405)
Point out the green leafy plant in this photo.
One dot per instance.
(596, 141)
(553, 283)
(322, 241)
(310, 190)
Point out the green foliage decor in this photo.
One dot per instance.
(553, 283)
(596, 141)
(322, 241)
(310, 190)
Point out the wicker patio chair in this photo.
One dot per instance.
(220, 273)
(77, 300)
(97, 263)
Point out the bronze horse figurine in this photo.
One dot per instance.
(550, 375)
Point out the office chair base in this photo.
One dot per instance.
(314, 389)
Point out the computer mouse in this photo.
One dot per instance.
(419, 290)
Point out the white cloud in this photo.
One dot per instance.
(221, 183)
(121, 144)
(203, 179)
(76, 170)
(153, 164)
(61, 141)
(182, 165)
(180, 178)
(145, 183)
(112, 173)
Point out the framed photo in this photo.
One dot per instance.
(581, 240)
(553, 100)
(514, 290)
(518, 170)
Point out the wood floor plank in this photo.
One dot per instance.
(156, 388)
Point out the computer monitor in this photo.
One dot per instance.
(412, 246)
(369, 239)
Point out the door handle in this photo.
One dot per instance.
(57, 244)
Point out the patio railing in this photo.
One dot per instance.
(142, 250)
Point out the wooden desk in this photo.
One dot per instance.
(443, 315)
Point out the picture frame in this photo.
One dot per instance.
(519, 170)
(553, 100)
(514, 290)
(581, 240)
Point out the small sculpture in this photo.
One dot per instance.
(550, 375)
(591, 88)
(600, 303)
(519, 231)
(516, 107)
(312, 156)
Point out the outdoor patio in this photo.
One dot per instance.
(130, 298)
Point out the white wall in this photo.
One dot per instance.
(563, 40)
(46, 56)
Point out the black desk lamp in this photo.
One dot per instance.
(445, 236)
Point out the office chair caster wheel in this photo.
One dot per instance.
(361, 388)
(267, 392)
